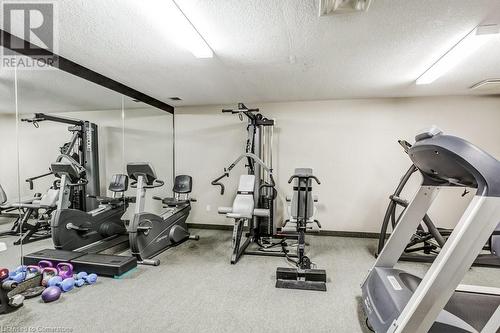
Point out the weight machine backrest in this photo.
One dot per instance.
(305, 190)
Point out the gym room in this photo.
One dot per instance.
(250, 166)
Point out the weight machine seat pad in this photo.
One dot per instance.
(172, 202)
(225, 210)
(109, 200)
(47, 200)
(261, 212)
(25, 200)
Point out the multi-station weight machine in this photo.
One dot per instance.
(82, 152)
(255, 205)
(262, 228)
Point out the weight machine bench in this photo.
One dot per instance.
(243, 210)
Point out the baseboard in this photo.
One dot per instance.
(354, 234)
(210, 226)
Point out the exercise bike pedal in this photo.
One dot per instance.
(306, 279)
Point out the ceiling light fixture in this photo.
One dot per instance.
(460, 51)
(176, 25)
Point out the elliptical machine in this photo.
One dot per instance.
(428, 239)
(150, 234)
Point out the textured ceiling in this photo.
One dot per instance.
(277, 50)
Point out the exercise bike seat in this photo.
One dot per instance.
(183, 185)
(118, 184)
(173, 202)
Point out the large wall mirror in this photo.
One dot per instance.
(61, 121)
(149, 138)
(66, 145)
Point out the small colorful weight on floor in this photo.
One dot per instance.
(19, 274)
(32, 271)
(65, 270)
(51, 294)
(65, 285)
(48, 273)
(88, 278)
(44, 264)
(4, 274)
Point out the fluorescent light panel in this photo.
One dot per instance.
(463, 49)
(168, 15)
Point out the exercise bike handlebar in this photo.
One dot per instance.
(303, 177)
(156, 183)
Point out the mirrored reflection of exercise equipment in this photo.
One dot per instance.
(34, 221)
(428, 240)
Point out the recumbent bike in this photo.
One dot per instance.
(150, 234)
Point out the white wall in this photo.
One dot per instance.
(350, 144)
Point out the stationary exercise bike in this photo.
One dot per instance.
(150, 234)
(72, 228)
(302, 213)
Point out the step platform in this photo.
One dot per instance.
(305, 279)
(100, 264)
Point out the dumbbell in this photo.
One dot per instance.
(19, 274)
(65, 285)
(86, 278)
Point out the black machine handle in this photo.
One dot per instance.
(241, 108)
(303, 177)
(216, 182)
(43, 117)
(30, 180)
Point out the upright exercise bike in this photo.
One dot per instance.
(150, 234)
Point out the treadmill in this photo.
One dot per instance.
(397, 301)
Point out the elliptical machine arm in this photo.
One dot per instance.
(256, 159)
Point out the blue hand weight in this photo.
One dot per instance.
(54, 281)
(88, 278)
(19, 274)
